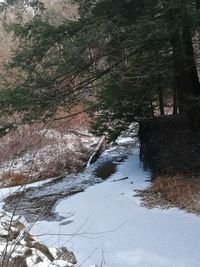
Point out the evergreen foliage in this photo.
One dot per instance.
(120, 57)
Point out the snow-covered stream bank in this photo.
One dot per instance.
(110, 226)
(106, 225)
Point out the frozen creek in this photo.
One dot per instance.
(105, 224)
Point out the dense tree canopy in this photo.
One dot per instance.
(121, 58)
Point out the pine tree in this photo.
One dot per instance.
(121, 57)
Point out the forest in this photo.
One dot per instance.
(123, 60)
(90, 90)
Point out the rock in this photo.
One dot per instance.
(64, 254)
(44, 249)
(28, 252)
(28, 239)
(38, 260)
(14, 235)
(18, 261)
(23, 250)
(17, 224)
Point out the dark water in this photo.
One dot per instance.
(105, 170)
(38, 202)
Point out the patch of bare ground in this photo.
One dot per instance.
(173, 191)
(15, 178)
(171, 151)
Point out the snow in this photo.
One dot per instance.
(15, 241)
(58, 263)
(124, 140)
(36, 160)
(108, 226)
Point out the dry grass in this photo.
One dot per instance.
(15, 178)
(44, 151)
(17, 142)
(66, 162)
(178, 191)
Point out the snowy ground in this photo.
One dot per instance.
(109, 227)
(51, 154)
(37, 200)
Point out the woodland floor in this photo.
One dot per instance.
(171, 151)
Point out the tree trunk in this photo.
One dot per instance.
(197, 3)
(152, 107)
(190, 64)
(186, 76)
(97, 151)
(181, 83)
(160, 94)
(175, 104)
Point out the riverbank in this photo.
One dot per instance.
(36, 201)
(34, 153)
(171, 151)
(104, 223)
(18, 248)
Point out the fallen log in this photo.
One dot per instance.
(97, 151)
